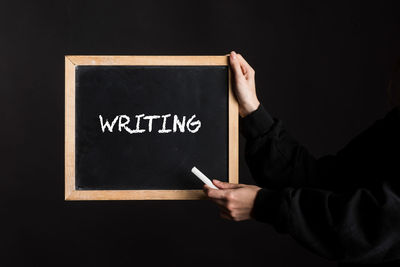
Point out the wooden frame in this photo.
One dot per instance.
(72, 61)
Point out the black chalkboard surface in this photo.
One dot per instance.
(141, 128)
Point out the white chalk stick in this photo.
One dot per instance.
(203, 178)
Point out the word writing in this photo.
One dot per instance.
(180, 125)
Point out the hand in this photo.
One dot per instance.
(235, 201)
(244, 85)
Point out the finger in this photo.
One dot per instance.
(244, 70)
(244, 63)
(215, 193)
(224, 185)
(205, 189)
(247, 69)
(235, 64)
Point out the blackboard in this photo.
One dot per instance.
(137, 125)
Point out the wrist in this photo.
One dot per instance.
(248, 108)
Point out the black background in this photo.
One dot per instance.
(321, 66)
(150, 160)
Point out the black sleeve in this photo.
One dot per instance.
(275, 159)
(361, 226)
(345, 206)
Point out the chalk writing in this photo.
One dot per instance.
(144, 123)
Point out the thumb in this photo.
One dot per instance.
(235, 65)
(223, 185)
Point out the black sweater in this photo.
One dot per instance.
(344, 207)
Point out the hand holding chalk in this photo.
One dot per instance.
(203, 178)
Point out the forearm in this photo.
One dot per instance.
(275, 159)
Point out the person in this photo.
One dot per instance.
(344, 207)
